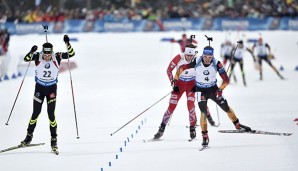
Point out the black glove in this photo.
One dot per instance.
(33, 49)
(66, 39)
(175, 86)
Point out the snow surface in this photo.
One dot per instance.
(119, 75)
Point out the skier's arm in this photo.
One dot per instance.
(252, 54)
(268, 47)
(70, 52)
(173, 41)
(172, 66)
(253, 48)
(223, 74)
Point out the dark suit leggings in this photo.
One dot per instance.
(40, 93)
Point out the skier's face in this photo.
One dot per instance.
(47, 57)
(189, 58)
(207, 59)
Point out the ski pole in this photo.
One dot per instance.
(45, 27)
(140, 114)
(217, 113)
(18, 91)
(73, 100)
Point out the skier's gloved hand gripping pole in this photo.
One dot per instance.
(32, 51)
(140, 114)
(66, 40)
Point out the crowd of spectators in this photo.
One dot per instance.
(159, 10)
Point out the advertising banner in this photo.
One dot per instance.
(78, 26)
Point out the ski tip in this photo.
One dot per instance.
(204, 148)
(151, 140)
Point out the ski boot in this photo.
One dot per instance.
(205, 138)
(245, 128)
(241, 127)
(160, 131)
(27, 140)
(192, 131)
(54, 146)
(244, 83)
(210, 120)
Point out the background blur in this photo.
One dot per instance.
(53, 10)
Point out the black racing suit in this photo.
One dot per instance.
(50, 92)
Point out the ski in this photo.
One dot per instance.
(20, 146)
(190, 140)
(151, 140)
(256, 132)
(204, 148)
(215, 125)
(189, 126)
